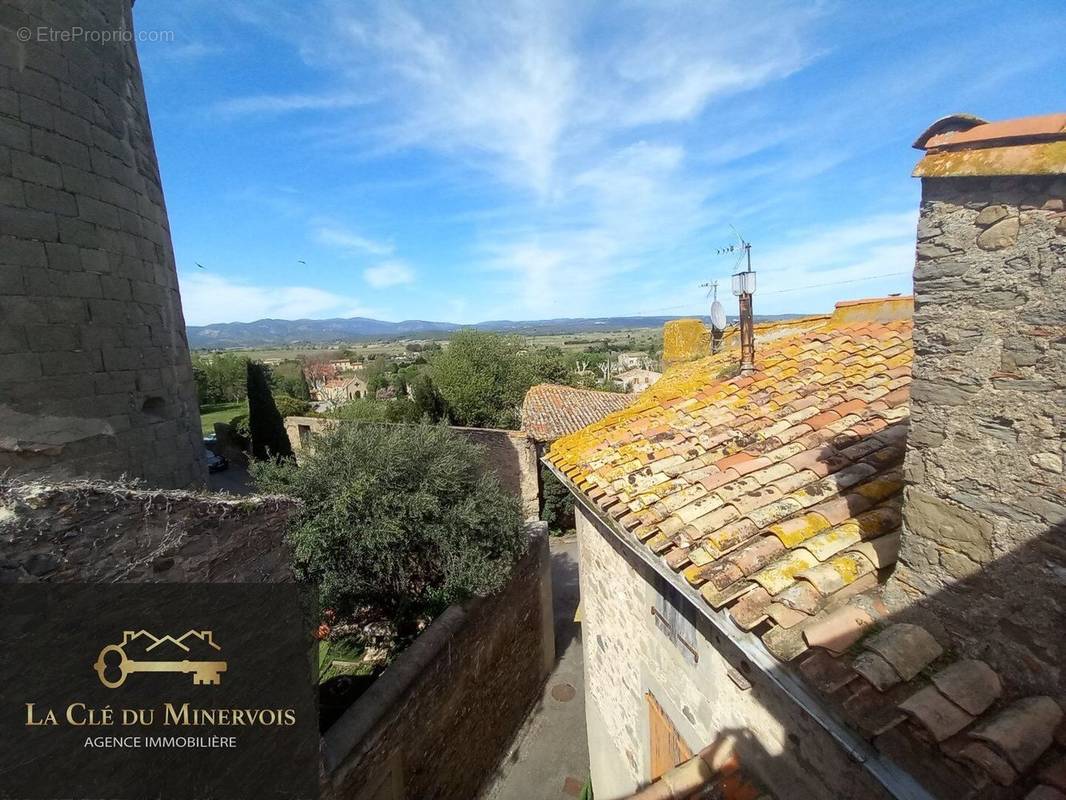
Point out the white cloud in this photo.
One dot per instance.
(390, 273)
(287, 103)
(208, 298)
(334, 235)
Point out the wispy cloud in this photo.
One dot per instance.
(599, 156)
(334, 235)
(390, 273)
(208, 298)
(287, 103)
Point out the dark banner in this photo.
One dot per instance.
(165, 691)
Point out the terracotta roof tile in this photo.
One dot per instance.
(908, 648)
(1022, 731)
(970, 684)
(778, 496)
(550, 411)
(931, 709)
(728, 478)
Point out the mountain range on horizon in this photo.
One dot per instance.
(281, 332)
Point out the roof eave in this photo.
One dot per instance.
(899, 783)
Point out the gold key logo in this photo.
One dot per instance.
(113, 664)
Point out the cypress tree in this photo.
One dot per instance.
(303, 389)
(264, 421)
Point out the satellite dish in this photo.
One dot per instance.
(717, 316)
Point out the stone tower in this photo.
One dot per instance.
(95, 377)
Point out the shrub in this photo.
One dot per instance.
(239, 426)
(370, 409)
(289, 406)
(405, 519)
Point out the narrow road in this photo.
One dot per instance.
(549, 758)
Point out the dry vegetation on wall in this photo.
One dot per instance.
(104, 532)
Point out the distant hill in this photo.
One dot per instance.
(282, 332)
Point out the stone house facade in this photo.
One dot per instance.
(635, 381)
(340, 390)
(845, 567)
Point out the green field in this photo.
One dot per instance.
(620, 339)
(222, 412)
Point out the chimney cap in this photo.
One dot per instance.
(962, 146)
(950, 124)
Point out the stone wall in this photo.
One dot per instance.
(512, 455)
(711, 694)
(985, 510)
(103, 533)
(95, 378)
(439, 719)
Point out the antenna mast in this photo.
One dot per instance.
(743, 288)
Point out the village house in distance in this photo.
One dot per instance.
(846, 568)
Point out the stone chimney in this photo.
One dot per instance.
(984, 547)
(95, 377)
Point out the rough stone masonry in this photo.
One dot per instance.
(984, 549)
(95, 377)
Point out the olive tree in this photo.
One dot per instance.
(405, 519)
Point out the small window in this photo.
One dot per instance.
(675, 618)
(305, 435)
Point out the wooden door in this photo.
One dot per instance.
(668, 749)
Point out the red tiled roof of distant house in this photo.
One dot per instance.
(550, 410)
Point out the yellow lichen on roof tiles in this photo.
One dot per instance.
(707, 467)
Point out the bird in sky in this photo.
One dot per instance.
(201, 266)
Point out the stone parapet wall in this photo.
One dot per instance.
(512, 455)
(985, 509)
(443, 714)
(95, 376)
(102, 533)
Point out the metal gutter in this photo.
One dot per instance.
(899, 783)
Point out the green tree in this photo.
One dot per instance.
(550, 365)
(483, 377)
(557, 507)
(288, 379)
(220, 377)
(403, 518)
(265, 424)
(427, 398)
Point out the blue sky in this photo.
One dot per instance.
(466, 161)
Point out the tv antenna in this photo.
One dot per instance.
(741, 247)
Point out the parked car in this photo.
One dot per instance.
(215, 463)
